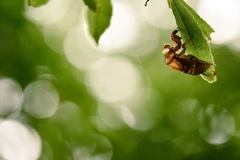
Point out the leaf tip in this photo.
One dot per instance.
(96, 39)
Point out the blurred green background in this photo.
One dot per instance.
(63, 97)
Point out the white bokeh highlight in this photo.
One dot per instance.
(114, 80)
(79, 48)
(145, 112)
(40, 99)
(51, 13)
(217, 126)
(122, 31)
(95, 147)
(223, 17)
(158, 14)
(11, 96)
(18, 141)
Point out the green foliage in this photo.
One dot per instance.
(180, 102)
(99, 16)
(37, 3)
(193, 26)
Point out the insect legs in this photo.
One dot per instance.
(188, 64)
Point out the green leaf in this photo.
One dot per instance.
(99, 19)
(37, 3)
(191, 25)
(92, 4)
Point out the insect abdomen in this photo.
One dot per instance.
(192, 65)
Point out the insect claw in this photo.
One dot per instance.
(178, 28)
(179, 61)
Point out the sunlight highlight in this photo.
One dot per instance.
(11, 96)
(79, 47)
(50, 13)
(40, 99)
(223, 16)
(145, 112)
(217, 126)
(18, 141)
(128, 116)
(109, 117)
(114, 80)
(93, 147)
(158, 14)
(122, 31)
(140, 114)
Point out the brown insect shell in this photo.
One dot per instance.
(165, 51)
(167, 48)
(168, 53)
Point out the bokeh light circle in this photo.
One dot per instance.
(18, 141)
(122, 31)
(114, 80)
(216, 125)
(93, 147)
(158, 14)
(40, 99)
(11, 96)
(50, 13)
(222, 16)
(146, 112)
(79, 47)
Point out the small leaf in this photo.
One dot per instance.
(37, 3)
(99, 19)
(191, 25)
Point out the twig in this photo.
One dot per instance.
(146, 2)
